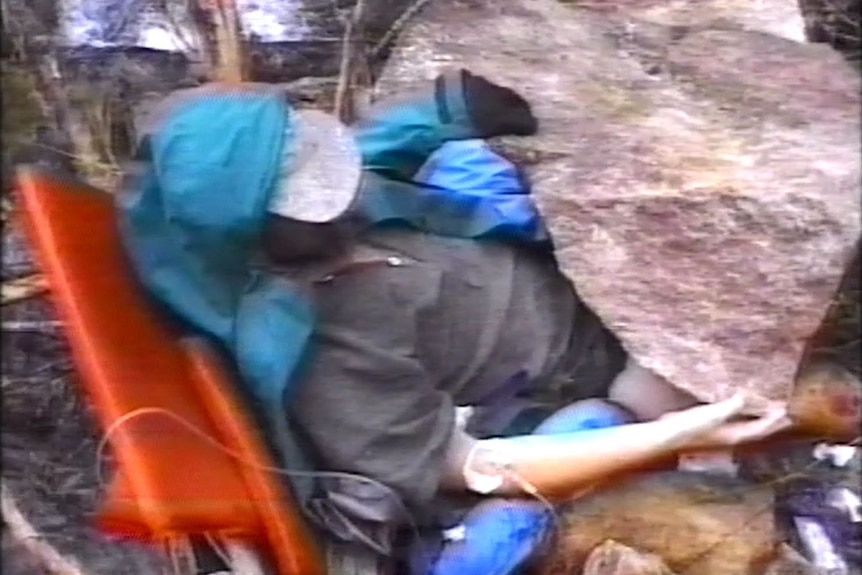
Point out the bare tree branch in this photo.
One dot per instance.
(26, 535)
(344, 104)
(38, 326)
(397, 26)
(228, 42)
(23, 288)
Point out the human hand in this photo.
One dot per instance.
(773, 420)
(686, 427)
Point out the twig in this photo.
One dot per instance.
(23, 533)
(188, 44)
(23, 288)
(228, 44)
(107, 168)
(44, 326)
(758, 512)
(397, 26)
(344, 105)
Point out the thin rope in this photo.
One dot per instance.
(240, 457)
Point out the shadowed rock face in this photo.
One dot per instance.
(702, 182)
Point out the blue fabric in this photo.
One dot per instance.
(425, 169)
(470, 167)
(583, 416)
(464, 189)
(396, 137)
(191, 218)
(502, 534)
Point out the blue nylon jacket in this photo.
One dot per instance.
(191, 212)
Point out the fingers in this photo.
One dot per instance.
(696, 421)
(729, 407)
(711, 414)
(758, 429)
(737, 433)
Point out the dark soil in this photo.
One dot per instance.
(48, 454)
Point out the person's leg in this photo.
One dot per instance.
(500, 534)
(647, 395)
(601, 367)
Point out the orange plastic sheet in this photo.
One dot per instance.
(169, 481)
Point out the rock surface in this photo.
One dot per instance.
(777, 17)
(611, 558)
(702, 182)
(699, 524)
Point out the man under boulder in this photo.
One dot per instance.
(371, 280)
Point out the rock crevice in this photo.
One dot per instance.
(702, 184)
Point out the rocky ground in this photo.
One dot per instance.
(49, 456)
(49, 460)
(49, 438)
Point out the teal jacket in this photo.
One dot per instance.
(192, 209)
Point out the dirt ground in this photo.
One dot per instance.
(48, 457)
(49, 443)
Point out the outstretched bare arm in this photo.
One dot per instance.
(561, 464)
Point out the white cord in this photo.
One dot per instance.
(534, 492)
(527, 487)
(134, 414)
(492, 453)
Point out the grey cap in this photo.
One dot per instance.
(320, 171)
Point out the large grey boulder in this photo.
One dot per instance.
(777, 17)
(701, 178)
